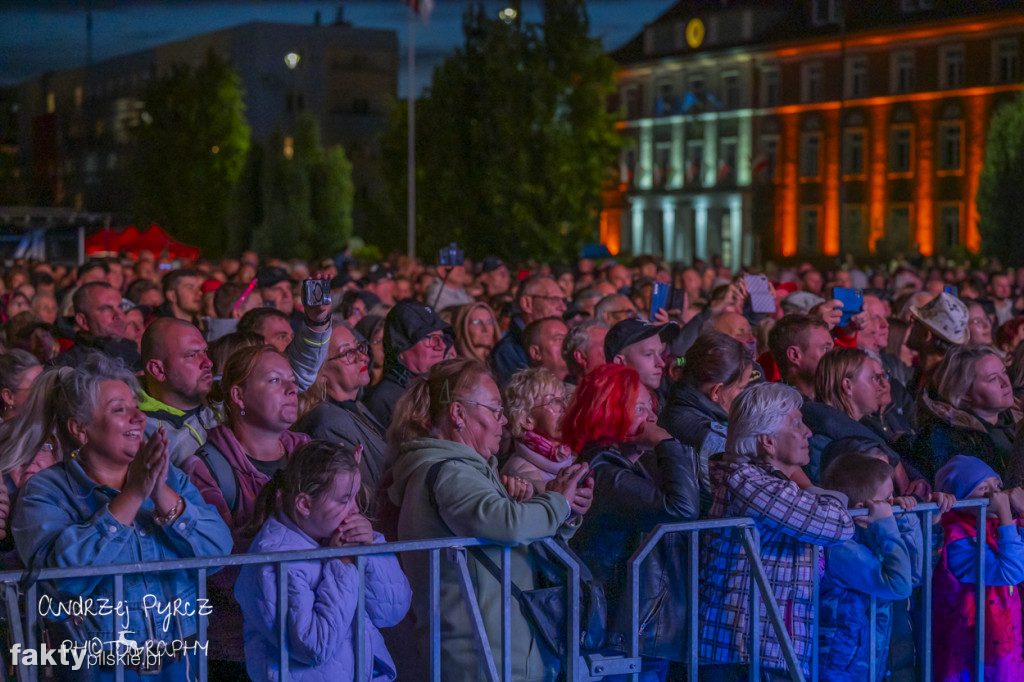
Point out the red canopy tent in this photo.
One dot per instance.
(109, 241)
(156, 240)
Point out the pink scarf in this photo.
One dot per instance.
(544, 447)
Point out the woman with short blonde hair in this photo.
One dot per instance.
(535, 401)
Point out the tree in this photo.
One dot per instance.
(1001, 186)
(190, 152)
(297, 205)
(513, 140)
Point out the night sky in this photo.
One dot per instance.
(37, 36)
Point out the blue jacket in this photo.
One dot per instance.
(321, 610)
(62, 518)
(882, 560)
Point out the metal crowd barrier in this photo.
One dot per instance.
(764, 592)
(577, 668)
(454, 547)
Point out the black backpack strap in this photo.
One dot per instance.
(222, 471)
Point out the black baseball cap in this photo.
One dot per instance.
(407, 323)
(378, 272)
(491, 263)
(634, 330)
(269, 276)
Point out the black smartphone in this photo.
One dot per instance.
(677, 299)
(316, 292)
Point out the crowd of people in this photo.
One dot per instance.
(156, 410)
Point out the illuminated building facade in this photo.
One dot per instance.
(757, 130)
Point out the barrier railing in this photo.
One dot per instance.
(764, 592)
(454, 547)
(577, 668)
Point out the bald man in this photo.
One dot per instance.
(177, 378)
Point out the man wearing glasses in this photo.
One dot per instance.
(415, 339)
(537, 297)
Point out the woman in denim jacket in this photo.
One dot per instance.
(116, 500)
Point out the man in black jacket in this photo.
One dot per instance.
(100, 322)
(415, 339)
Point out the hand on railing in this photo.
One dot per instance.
(877, 509)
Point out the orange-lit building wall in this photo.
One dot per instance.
(924, 141)
(786, 229)
(978, 109)
(832, 133)
(879, 183)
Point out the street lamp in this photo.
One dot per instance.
(291, 60)
(508, 15)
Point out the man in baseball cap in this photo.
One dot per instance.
(494, 276)
(638, 344)
(415, 339)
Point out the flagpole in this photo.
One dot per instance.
(411, 244)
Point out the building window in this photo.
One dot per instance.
(627, 173)
(857, 77)
(766, 165)
(695, 162)
(824, 12)
(902, 72)
(296, 102)
(731, 88)
(1004, 60)
(665, 103)
(852, 237)
(662, 164)
(51, 102)
(900, 149)
(808, 228)
(949, 227)
(632, 99)
(951, 66)
(949, 146)
(908, 6)
(288, 150)
(727, 161)
(810, 153)
(853, 152)
(811, 82)
(897, 234)
(78, 97)
(770, 87)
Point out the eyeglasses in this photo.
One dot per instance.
(881, 378)
(645, 408)
(436, 341)
(350, 356)
(552, 299)
(498, 411)
(483, 323)
(557, 405)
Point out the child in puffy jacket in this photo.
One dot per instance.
(954, 605)
(882, 560)
(310, 504)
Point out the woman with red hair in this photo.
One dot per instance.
(610, 423)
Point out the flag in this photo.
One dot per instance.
(421, 7)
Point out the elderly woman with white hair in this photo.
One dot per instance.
(766, 443)
(535, 402)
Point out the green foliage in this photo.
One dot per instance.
(299, 207)
(513, 140)
(190, 151)
(1001, 186)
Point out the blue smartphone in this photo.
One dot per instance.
(852, 300)
(659, 297)
(952, 291)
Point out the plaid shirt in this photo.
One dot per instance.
(790, 522)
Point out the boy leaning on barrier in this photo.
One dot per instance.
(883, 560)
